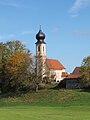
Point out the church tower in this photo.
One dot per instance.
(40, 54)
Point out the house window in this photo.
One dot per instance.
(38, 48)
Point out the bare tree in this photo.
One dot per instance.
(41, 72)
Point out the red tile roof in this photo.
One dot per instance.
(75, 73)
(54, 64)
(64, 74)
(73, 76)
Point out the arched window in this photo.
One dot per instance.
(38, 48)
(43, 48)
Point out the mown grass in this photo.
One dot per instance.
(47, 105)
(44, 113)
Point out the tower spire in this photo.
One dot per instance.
(40, 27)
(40, 36)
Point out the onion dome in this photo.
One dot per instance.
(40, 35)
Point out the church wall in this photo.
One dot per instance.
(58, 74)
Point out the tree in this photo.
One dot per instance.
(11, 47)
(85, 71)
(16, 65)
(1, 51)
(41, 73)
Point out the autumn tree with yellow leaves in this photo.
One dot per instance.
(16, 66)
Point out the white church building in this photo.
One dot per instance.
(56, 70)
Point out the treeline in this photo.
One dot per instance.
(17, 67)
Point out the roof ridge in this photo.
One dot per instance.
(54, 64)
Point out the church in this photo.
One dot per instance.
(51, 68)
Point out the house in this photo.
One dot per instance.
(74, 79)
(56, 70)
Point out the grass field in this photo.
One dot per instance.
(44, 113)
(47, 105)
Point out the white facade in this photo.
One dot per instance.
(41, 49)
(40, 54)
(58, 74)
(41, 59)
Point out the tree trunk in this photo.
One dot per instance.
(36, 88)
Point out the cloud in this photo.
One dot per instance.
(10, 3)
(77, 6)
(1, 36)
(56, 30)
(74, 15)
(26, 32)
(6, 36)
(82, 32)
(11, 36)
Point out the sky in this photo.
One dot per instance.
(66, 24)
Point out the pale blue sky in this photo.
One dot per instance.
(66, 24)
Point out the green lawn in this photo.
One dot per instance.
(47, 105)
(44, 113)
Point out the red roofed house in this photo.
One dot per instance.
(74, 79)
(56, 69)
(75, 74)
